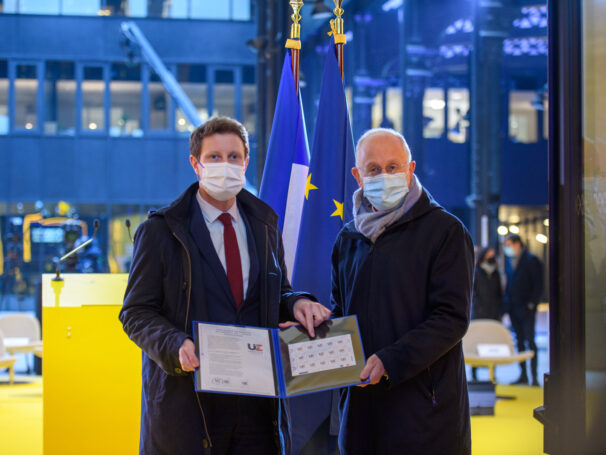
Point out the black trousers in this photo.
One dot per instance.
(240, 425)
(523, 323)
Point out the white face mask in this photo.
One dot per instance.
(222, 181)
(385, 191)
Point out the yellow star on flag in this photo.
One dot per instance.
(309, 186)
(339, 209)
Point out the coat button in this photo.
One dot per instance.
(205, 443)
(178, 370)
(275, 422)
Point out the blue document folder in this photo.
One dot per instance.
(276, 363)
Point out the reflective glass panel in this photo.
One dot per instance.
(93, 88)
(136, 8)
(38, 7)
(594, 213)
(433, 112)
(224, 94)
(458, 121)
(26, 104)
(210, 9)
(249, 99)
(3, 97)
(81, 7)
(177, 9)
(193, 81)
(523, 119)
(59, 98)
(125, 92)
(240, 10)
(158, 104)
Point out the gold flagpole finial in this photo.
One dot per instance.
(338, 22)
(295, 28)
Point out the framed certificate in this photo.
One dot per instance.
(278, 363)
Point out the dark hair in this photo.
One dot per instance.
(482, 254)
(514, 238)
(217, 125)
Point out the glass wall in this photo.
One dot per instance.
(59, 98)
(523, 119)
(458, 121)
(433, 112)
(224, 93)
(193, 82)
(26, 99)
(4, 97)
(125, 92)
(238, 10)
(249, 99)
(93, 90)
(159, 104)
(594, 209)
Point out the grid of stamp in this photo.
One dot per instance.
(320, 355)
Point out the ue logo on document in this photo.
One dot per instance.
(255, 347)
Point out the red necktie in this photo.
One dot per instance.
(232, 259)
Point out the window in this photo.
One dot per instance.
(249, 99)
(224, 93)
(125, 90)
(3, 97)
(433, 113)
(80, 7)
(38, 6)
(59, 98)
(193, 81)
(93, 88)
(458, 108)
(159, 103)
(26, 104)
(523, 121)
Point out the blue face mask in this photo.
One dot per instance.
(385, 191)
(508, 250)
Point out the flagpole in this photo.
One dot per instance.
(294, 43)
(336, 26)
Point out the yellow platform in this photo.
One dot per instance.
(91, 370)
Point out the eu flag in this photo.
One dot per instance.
(329, 189)
(287, 163)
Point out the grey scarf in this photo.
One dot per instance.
(372, 223)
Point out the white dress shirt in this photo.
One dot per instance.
(215, 228)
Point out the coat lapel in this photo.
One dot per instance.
(201, 236)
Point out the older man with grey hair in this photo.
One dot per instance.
(404, 265)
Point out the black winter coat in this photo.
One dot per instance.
(524, 286)
(411, 291)
(487, 295)
(164, 295)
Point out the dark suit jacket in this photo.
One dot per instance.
(524, 285)
(166, 292)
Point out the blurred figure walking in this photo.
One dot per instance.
(487, 290)
(522, 295)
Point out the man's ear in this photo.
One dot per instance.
(356, 173)
(194, 163)
(246, 162)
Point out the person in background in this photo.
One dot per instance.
(487, 291)
(522, 295)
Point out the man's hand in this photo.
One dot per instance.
(187, 356)
(373, 370)
(309, 314)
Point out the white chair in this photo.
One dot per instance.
(21, 334)
(7, 361)
(488, 343)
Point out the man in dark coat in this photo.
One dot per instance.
(404, 266)
(215, 254)
(522, 295)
